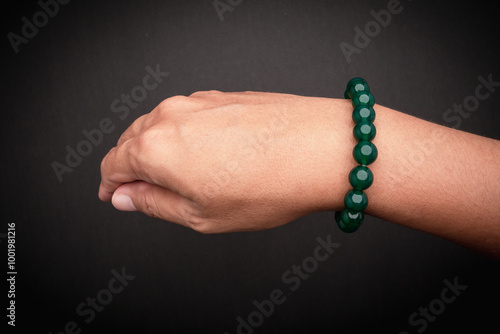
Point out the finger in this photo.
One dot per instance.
(134, 129)
(110, 177)
(154, 201)
(137, 159)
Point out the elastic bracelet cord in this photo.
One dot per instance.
(360, 177)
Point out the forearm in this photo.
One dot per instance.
(434, 179)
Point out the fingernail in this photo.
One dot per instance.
(123, 203)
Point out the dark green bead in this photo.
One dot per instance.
(349, 221)
(364, 130)
(351, 82)
(363, 99)
(358, 87)
(365, 152)
(363, 113)
(354, 81)
(361, 177)
(355, 200)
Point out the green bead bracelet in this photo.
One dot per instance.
(364, 153)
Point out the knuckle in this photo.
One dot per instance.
(199, 93)
(202, 93)
(144, 150)
(104, 162)
(148, 201)
(148, 141)
(150, 206)
(145, 141)
(173, 103)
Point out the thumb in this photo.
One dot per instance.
(122, 201)
(153, 200)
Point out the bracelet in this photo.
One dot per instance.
(360, 177)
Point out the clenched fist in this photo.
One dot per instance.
(222, 162)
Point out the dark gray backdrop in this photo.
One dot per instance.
(64, 80)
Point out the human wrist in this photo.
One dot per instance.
(333, 153)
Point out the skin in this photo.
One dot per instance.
(224, 162)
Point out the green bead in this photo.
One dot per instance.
(365, 152)
(355, 200)
(363, 113)
(349, 221)
(358, 87)
(363, 99)
(352, 82)
(364, 130)
(361, 177)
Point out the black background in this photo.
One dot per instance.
(63, 81)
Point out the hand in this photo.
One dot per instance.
(222, 162)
